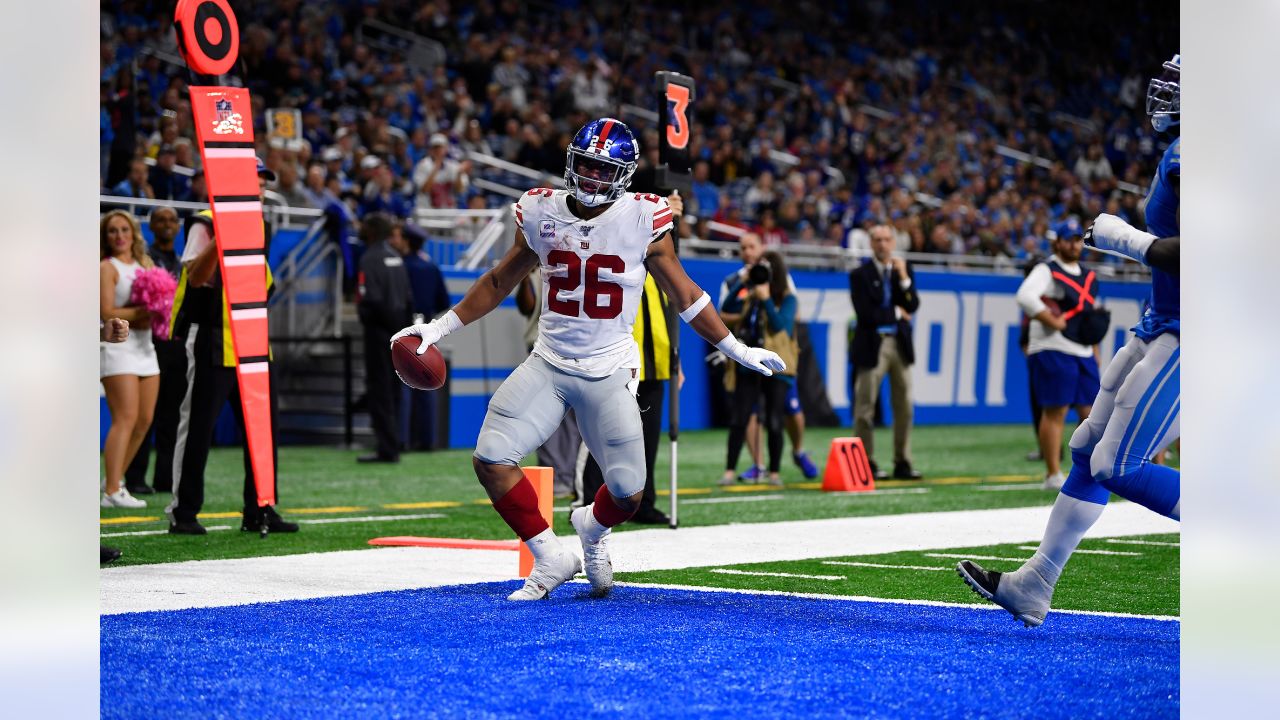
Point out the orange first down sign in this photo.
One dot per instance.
(224, 127)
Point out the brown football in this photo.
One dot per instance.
(425, 371)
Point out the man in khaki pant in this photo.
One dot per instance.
(884, 294)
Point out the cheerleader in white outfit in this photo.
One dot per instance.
(129, 371)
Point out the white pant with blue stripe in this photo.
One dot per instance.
(1137, 411)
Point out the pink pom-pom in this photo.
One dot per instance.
(153, 289)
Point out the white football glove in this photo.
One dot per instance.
(1108, 232)
(432, 332)
(765, 362)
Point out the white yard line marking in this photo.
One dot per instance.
(1016, 486)
(876, 493)
(1089, 552)
(740, 498)
(892, 601)
(318, 521)
(216, 583)
(1144, 542)
(962, 556)
(728, 571)
(849, 563)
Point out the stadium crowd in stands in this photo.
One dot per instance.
(813, 121)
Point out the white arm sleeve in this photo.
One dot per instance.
(1033, 288)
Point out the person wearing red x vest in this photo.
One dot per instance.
(1064, 370)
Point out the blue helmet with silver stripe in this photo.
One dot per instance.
(1164, 95)
(600, 161)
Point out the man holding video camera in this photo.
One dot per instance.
(884, 293)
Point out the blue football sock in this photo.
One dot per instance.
(1152, 486)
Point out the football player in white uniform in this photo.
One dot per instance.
(594, 242)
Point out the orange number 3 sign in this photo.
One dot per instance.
(678, 121)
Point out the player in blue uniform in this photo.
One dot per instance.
(1137, 410)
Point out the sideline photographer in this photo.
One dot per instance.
(767, 320)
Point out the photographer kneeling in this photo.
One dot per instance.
(768, 321)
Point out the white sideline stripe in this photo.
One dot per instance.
(225, 153)
(1015, 486)
(849, 563)
(249, 314)
(238, 260)
(319, 521)
(370, 518)
(744, 498)
(218, 583)
(237, 206)
(1144, 542)
(729, 571)
(137, 533)
(891, 601)
(1088, 552)
(962, 556)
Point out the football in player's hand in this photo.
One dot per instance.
(423, 372)
(1052, 306)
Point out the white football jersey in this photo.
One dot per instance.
(592, 276)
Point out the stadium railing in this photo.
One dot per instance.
(465, 238)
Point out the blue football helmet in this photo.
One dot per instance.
(600, 161)
(1164, 96)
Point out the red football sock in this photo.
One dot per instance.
(607, 511)
(519, 508)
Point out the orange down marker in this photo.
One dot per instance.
(848, 469)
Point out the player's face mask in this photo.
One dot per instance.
(1164, 96)
(596, 179)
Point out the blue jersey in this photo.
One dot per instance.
(1164, 310)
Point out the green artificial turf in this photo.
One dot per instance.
(1145, 583)
(328, 480)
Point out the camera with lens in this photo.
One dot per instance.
(758, 275)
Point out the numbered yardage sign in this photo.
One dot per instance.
(675, 127)
(284, 123)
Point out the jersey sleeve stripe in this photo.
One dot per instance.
(660, 220)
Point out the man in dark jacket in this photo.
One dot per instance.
(430, 298)
(385, 304)
(884, 293)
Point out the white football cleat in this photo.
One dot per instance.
(1023, 593)
(548, 576)
(595, 555)
(1055, 481)
(122, 499)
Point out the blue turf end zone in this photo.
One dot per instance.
(464, 651)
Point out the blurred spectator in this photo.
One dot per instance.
(165, 183)
(289, 187)
(135, 185)
(438, 179)
(380, 193)
(1093, 166)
